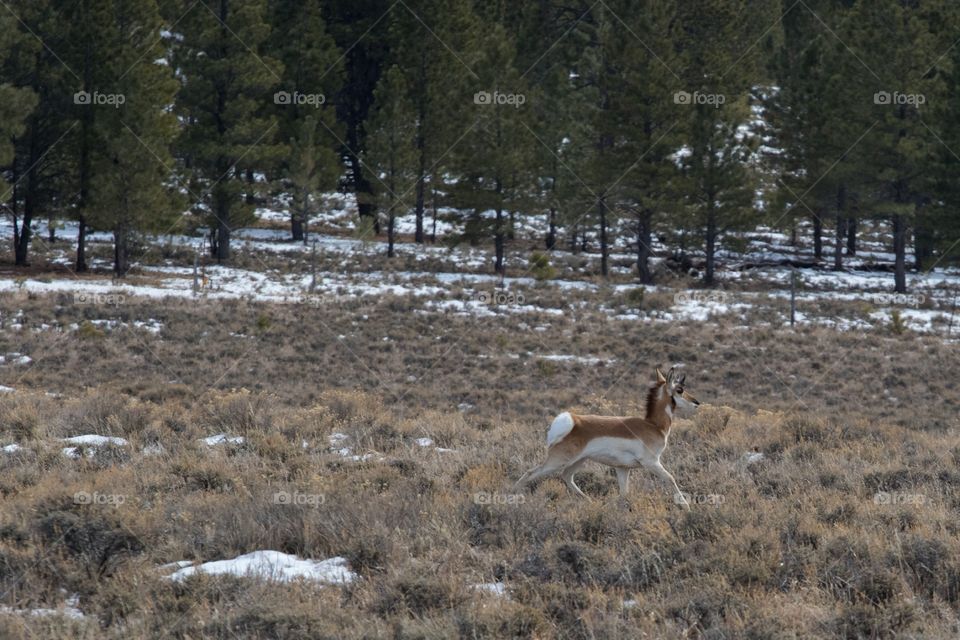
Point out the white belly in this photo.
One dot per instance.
(618, 452)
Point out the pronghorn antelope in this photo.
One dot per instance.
(623, 443)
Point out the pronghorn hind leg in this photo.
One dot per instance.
(623, 479)
(522, 480)
(551, 466)
(568, 478)
(663, 473)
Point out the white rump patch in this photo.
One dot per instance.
(562, 425)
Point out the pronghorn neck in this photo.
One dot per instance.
(659, 407)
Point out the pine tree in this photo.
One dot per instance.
(40, 156)
(430, 39)
(810, 112)
(944, 218)
(87, 50)
(311, 169)
(16, 104)
(493, 159)
(359, 28)
(721, 63)
(896, 42)
(601, 167)
(227, 80)
(312, 76)
(393, 150)
(646, 118)
(131, 166)
(550, 39)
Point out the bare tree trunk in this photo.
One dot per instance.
(121, 251)
(499, 240)
(82, 245)
(433, 232)
(551, 242)
(29, 204)
(817, 235)
(223, 229)
(604, 249)
(851, 236)
(841, 227)
(418, 233)
(362, 190)
(923, 241)
(421, 149)
(391, 224)
(899, 250)
(14, 208)
(644, 238)
(711, 243)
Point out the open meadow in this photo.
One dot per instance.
(383, 420)
(432, 319)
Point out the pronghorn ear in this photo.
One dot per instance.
(660, 378)
(670, 375)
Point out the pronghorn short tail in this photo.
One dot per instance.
(562, 425)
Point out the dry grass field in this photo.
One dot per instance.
(822, 469)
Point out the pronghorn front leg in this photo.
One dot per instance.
(568, 478)
(663, 473)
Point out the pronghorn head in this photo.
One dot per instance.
(674, 385)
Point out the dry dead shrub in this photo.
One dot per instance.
(20, 423)
(236, 412)
(104, 412)
(711, 419)
(417, 590)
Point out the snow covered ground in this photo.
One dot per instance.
(463, 286)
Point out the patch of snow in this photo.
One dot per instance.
(155, 449)
(12, 448)
(222, 438)
(68, 610)
(94, 440)
(493, 588)
(274, 565)
(570, 358)
(91, 442)
(346, 452)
